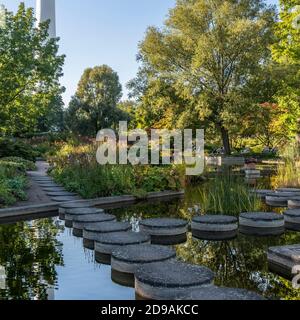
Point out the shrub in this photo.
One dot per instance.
(13, 182)
(76, 168)
(29, 165)
(16, 148)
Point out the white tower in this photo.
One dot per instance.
(45, 10)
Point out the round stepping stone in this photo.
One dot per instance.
(214, 227)
(261, 223)
(165, 231)
(108, 242)
(283, 259)
(72, 205)
(294, 203)
(170, 279)
(252, 173)
(292, 219)
(297, 190)
(261, 193)
(71, 213)
(60, 194)
(221, 294)
(64, 199)
(275, 201)
(79, 221)
(91, 232)
(125, 261)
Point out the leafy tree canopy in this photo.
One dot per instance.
(30, 69)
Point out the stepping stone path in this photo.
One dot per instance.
(292, 219)
(71, 214)
(80, 221)
(165, 231)
(220, 294)
(283, 259)
(261, 223)
(125, 261)
(107, 243)
(91, 232)
(170, 279)
(214, 227)
(294, 203)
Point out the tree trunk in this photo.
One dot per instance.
(225, 139)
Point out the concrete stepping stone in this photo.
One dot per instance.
(221, 294)
(125, 261)
(294, 203)
(54, 189)
(261, 193)
(296, 190)
(170, 279)
(279, 199)
(91, 232)
(275, 201)
(261, 223)
(108, 242)
(48, 179)
(79, 222)
(73, 205)
(53, 185)
(283, 259)
(165, 231)
(214, 227)
(65, 198)
(70, 214)
(60, 194)
(292, 219)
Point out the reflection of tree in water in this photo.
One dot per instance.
(242, 263)
(29, 253)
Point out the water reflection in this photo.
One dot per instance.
(242, 263)
(42, 260)
(29, 253)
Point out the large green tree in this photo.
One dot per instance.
(94, 105)
(208, 52)
(30, 68)
(286, 52)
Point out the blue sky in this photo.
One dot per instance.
(95, 32)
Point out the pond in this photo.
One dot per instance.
(41, 259)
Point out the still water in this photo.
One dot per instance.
(41, 259)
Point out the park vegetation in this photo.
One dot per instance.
(230, 67)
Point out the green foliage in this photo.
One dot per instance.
(30, 69)
(13, 181)
(94, 105)
(227, 195)
(16, 148)
(200, 65)
(286, 52)
(77, 170)
(29, 165)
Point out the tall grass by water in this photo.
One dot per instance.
(227, 195)
(289, 172)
